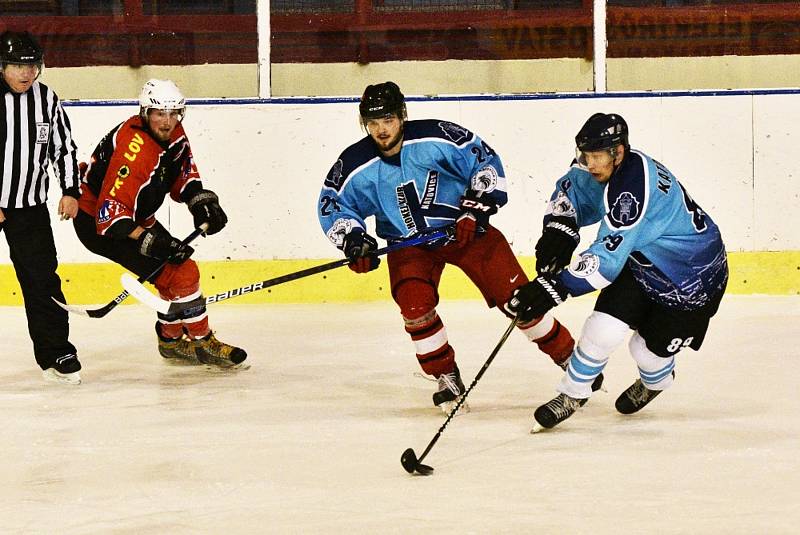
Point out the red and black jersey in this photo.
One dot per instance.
(130, 175)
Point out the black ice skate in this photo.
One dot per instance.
(555, 411)
(211, 351)
(635, 398)
(451, 388)
(65, 370)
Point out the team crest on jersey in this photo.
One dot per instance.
(334, 178)
(625, 210)
(485, 180)
(585, 265)
(109, 210)
(454, 133)
(339, 229)
(42, 133)
(561, 206)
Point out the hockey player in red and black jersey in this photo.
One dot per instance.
(131, 172)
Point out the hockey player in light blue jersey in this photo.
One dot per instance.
(412, 176)
(658, 259)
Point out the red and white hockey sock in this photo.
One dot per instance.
(434, 353)
(170, 329)
(181, 283)
(551, 337)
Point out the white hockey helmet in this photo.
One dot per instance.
(161, 95)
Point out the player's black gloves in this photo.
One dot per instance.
(358, 247)
(157, 243)
(559, 240)
(535, 298)
(474, 218)
(205, 208)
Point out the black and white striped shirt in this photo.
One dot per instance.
(34, 135)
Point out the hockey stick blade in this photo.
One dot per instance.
(137, 290)
(187, 309)
(411, 464)
(90, 312)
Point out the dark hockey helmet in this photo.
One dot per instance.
(380, 100)
(20, 48)
(602, 131)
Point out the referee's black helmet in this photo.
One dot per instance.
(20, 48)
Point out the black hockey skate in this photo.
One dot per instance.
(451, 388)
(635, 398)
(555, 411)
(65, 370)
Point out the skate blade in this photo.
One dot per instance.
(448, 406)
(53, 376)
(235, 368)
(176, 361)
(537, 428)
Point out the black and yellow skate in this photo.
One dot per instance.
(178, 350)
(212, 352)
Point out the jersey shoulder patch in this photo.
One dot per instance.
(432, 128)
(353, 157)
(627, 193)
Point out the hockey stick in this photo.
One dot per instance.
(409, 459)
(102, 311)
(189, 308)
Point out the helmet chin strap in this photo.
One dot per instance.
(614, 154)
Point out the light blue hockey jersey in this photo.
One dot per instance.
(649, 222)
(417, 189)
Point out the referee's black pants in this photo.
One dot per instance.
(33, 253)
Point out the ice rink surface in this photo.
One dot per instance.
(309, 439)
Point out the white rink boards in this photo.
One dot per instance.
(309, 439)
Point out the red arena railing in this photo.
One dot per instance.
(82, 32)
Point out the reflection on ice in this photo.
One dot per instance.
(309, 439)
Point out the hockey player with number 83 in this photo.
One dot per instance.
(658, 259)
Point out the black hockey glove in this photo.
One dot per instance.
(535, 298)
(474, 218)
(158, 243)
(205, 208)
(358, 247)
(559, 240)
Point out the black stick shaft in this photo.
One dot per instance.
(192, 307)
(471, 386)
